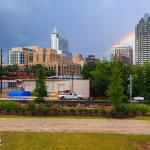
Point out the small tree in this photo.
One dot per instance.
(40, 90)
(115, 90)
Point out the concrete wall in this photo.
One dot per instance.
(79, 86)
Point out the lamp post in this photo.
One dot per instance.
(1, 74)
(130, 87)
(72, 80)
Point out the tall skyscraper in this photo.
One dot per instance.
(124, 53)
(142, 40)
(54, 39)
(58, 43)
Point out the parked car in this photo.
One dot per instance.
(138, 98)
(69, 96)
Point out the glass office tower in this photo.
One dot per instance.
(142, 40)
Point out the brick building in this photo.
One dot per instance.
(29, 56)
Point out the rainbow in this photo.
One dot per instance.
(126, 40)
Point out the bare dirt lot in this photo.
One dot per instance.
(75, 125)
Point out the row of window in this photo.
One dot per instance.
(8, 84)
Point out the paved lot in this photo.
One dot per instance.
(75, 125)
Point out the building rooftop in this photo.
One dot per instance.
(55, 30)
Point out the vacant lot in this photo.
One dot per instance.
(72, 141)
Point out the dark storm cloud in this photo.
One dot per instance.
(91, 26)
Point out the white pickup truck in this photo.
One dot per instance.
(69, 96)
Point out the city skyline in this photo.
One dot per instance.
(92, 27)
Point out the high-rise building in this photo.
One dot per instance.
(59, 44)
(54, 39)
(124, 53)
(142, 40)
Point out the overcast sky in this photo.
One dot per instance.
(91, 26)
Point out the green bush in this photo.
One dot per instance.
(9, 105)
(138, 108)
(73, 111)
(45, 110)
(80, 111)
(64, 111)
(31, 106)
(122, 108)
(86, 111)
(40, 100)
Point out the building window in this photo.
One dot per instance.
(31, 57)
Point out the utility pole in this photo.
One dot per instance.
(130, 78)
(1, 74)
(72, 81)
(89, 87)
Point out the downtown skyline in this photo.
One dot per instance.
(92, 27)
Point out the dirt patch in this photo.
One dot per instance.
(75, 125)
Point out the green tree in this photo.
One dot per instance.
(146, 69)
(115, 90)
(40, 90)
(138, 81)
(34, 69)
(10, 68)
(88, 69)
(100, 78)
(125, 71)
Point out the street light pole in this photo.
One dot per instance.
(1, 74)
(72, 81)
(130, 87)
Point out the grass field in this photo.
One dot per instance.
(71, 117)
(71, 141)
(52, 117)
(142, 118)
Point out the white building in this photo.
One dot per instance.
(78, 86)
(54, 39)
(126, 51)
(19, 55)
(15, 55)
(59, 44)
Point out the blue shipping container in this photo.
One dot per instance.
(19, 93)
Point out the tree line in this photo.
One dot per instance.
(109, 78)
(6, 70)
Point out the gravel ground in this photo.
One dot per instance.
(75, 125)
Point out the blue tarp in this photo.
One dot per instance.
(19, 93)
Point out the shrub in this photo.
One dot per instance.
(80, 111)
(41, 109)
(72, 111)
(31, 106)
(65, 111)
(122, 108)
(9, 105)
(40, 100)
(138, 108)
(86, 111)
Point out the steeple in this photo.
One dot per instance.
(55, 31)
